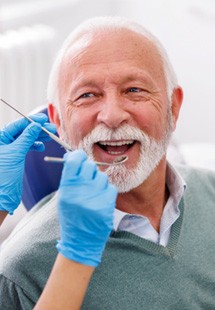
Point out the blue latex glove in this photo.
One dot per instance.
(86, 205)
(16, 139)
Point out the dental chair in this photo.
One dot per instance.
(40, 177)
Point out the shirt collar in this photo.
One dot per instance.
(175, 184)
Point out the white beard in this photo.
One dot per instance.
(151, 152)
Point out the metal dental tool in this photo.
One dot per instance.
(50, 134)
(118, 160)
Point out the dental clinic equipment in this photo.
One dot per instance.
(50, 134)
(118, 160)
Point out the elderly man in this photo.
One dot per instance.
(112, 91)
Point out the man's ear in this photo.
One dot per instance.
(177, 98)
(54, 116)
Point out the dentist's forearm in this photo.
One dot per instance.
(66, 286)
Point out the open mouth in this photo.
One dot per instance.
(116, 147)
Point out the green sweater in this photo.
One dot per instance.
(134, 273)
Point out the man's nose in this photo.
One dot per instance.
(113, 112)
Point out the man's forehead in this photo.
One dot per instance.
(95, 52)
(109, 40)
(93, 78)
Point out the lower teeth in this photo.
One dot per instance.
(114, 153)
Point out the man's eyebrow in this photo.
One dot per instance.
(77, 86)
(91, 82)
(83, 83)
(137, 76)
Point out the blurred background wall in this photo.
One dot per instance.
(31, 32)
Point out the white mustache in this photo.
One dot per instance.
(125, 132)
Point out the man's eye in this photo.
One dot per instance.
(134, 90)
(86, 95)
(85, 98)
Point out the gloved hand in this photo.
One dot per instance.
(86, 205)
(16, 139)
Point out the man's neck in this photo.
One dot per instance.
(149, 198)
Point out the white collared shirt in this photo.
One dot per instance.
(141, 226)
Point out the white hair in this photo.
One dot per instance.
(97, 25)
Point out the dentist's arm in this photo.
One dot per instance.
(16, 139)
(86, 205)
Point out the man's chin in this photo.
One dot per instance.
(122, 178)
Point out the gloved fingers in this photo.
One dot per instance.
(100, 180)
(41, 118)
(14, 129)
(18, 126)
(77, 156)
(28, 137)
(88, 170)
(72, 164)
(37, 146)
(50, 127)
(110, 195)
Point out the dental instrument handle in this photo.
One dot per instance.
(56, 139)
(118, 160)
(50, 134)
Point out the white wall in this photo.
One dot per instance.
(187, 30)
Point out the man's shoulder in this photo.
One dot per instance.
(39, 226)
(200, 184)
(190, 173)
(37, 221)
(27, 256)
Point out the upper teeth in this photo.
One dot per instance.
(117, 143)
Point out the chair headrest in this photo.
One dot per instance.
(41, 178)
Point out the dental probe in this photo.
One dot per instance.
(50, 134)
